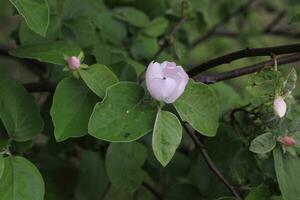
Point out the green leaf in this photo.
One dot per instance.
(123, 115)
(225, 91)
(295, 125)
(107, 55)
(144, 47)
(35, 12)
(296, 18)
(166, 137)
(264, 85)
(288, 174)
(199, 107)
(263, 143)
(259, 193)
(139, 67)
(18, 111)
(129, 175)
(21, 180)
(72, 106)
(83, 31)
(110, 28)
(98, 78)
(132, 16)
(92, 177)
(49, 52)
(28, 37)
(124, 71)
(1, 165)
(290, 82)
(156, 27)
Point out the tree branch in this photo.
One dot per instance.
(275, 21)
(210, 163)
(152, 190)
(279, 33)
(166, 41)
(225, 20)
(209, 79)
(248, 52)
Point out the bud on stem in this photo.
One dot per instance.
(279, 107)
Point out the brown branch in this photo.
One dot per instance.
(166, 41)
(275, 21)
(221, 23)
(248, 52)
(279, 33)
(209, 79)
(152, 190)
(210, 163)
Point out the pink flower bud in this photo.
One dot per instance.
(166, 81)
(288, 141)
(279, 107)
(73, 62)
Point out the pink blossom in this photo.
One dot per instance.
(166, 81)
(288, 141)
(73, 62)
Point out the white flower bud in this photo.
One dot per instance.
(279, 107)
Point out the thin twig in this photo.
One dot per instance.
(275, 21)
(278, 32)
(211, 164)
(103, 196)
(166, 41)
(248, 52)
(209, 79)
(221, 23)
(152, 190)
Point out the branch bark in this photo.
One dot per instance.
(210, 79)
(248, 52)
(210, 163)
(166, 41)
(152, 190)
(221, 23)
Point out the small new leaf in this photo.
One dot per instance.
(263, 143)
(290, 83)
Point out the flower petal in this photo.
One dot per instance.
(179, 90)
(161, 89)
(154, 70)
